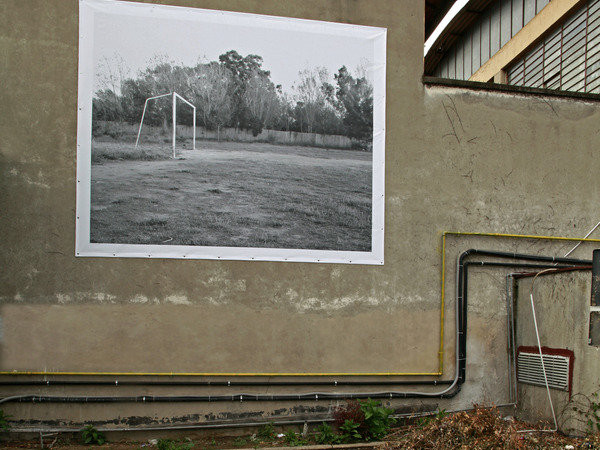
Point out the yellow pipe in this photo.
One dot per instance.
(521, 236)
(324, 374)
(224, 374)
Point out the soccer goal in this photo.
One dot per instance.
(175, 96)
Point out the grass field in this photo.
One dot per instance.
(232, 194)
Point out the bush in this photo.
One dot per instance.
(92, 436)
(4, 425)
(293, 439)
(373, 420)
(377, 418)
(266, 432)
(326, 435)
(350, 431)
(351, 411)
(167, 444)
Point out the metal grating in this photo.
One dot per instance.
(529, 370)
(568, 58)
(481, 30)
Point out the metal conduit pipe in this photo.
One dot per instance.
(117, 382)
(595, 300)
(451, 391)
(462, 287)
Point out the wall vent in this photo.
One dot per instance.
(558, 367)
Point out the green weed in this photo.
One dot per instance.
(326, 435)
(377, 419)
(92, 436)
(4, 425)
(266, 432)
(293, 439)
(168, 444)
(350, 431)
(239, 442)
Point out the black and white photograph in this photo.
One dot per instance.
(223, 135)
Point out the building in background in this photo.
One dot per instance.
(533, 43)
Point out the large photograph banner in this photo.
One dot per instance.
(221, 135)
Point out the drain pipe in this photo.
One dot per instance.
(595, 300)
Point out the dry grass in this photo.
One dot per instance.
(482, 428)
(232, 194)
(116, 151)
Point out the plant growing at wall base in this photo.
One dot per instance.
(326, 435)
(587, 411)
(266, 432)
(350, 411)
(168, 444)
(92, 436)
(4, 425)
(373, 419)
(377, 419)
(350, 431)
(293, 439)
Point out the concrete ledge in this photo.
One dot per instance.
(510, 89)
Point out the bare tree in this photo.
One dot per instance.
(210, 87)
(110, 75)
(311, 96)
(261, 100)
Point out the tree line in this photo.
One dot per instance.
(236, 91)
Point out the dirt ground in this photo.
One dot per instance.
(233, 195)
(482, 428)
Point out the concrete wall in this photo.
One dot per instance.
(455, 160)
(562, 306)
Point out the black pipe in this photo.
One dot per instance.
(596, 278)
(462, 291)
(462, 334)
(221, 398)
(512, 255)
(222, 383)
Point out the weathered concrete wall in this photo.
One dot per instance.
(562, 307)
(455, 160)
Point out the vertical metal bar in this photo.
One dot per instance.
(454, 58)
(490, 36)
(544, 59)
(508, 334)
(471, 61)
(463, 60)
(174, 120)
(560, 71)
(513, 306)
(585, 58)
(141, 122)
(511, 20)
(194, 128)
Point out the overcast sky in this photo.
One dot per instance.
(285, 51)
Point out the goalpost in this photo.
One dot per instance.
(175, 96)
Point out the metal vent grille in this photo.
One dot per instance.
(529, 370)
(568, 58)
